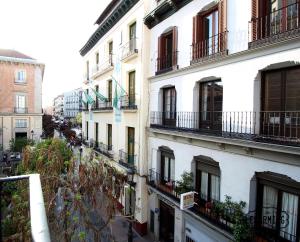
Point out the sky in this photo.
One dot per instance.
(53, 32)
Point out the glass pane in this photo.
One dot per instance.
(289, 215)
(166, 169)
(269, 209)
(204, 185)
(215, 187)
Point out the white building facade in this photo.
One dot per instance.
(72, 103)
(224, 107)
(58, 106)
(115, 90)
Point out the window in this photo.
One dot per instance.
(109, 136)
(271, 17)
(110, 51)
(131, 88)
(97, 58)
(132, 37)
(130, 145)
(20, 104)
(167, 51)
(281, 103)
(278, 207)
(97, 133)
(110, 92)
(207, 179)
(209, 31)
(152, 216)
(20, 76)
(211, 105)
(87, 70)
(167, 166)
(87, 130)
(169, 106)
(21, 123)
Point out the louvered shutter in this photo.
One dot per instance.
(175, 39)
(254, 18)
(222, 11)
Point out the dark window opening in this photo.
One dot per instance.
(130, 145)
(169, 106)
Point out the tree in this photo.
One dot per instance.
(48, 126)
(79, 119)
(87, 193)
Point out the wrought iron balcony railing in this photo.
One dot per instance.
(102, 105)
(128, 102)
(20, 110)
(129, 48)
(127, 160)
(104, 66)
(275, 127)
(166, 62)
(104, 149)
(280, 24)
(209, 48)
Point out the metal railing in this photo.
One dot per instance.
(267, 126)
(104, 149)
(128, 101)
(127, 160)
(169, 188)
(20, 110)
(279, 24)
(38, 219)
(166, 62)
(102, 105)
(107, 64)
(213, 46)
(129, 48)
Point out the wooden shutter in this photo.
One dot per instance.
(159, 53)
(254, 16)
(222, 11)
(175, 39)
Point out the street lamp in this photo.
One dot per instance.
(32, 132)
(130, 176)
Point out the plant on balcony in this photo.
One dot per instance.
(185, 184)
(233, 213)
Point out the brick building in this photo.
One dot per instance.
(20, 96)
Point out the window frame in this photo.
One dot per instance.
(22, 80)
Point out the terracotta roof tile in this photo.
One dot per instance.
(14, 54)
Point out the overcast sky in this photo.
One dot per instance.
(53, 32)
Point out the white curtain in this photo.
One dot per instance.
(289, 211)
(172, 169)
(215, 187)
(166, 169)
(269, 207)
(204, 184)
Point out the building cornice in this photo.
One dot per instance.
(164, 10)
(117, 13)
(20, 60)
(267, 151)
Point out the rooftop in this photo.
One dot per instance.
(14, 54)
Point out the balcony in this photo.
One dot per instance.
(129, 50)
(106, 66)
(104, 149)
(20, 110)
(157, 181)
(128, 102)
(211, 48)
(127, 160)
(270, 127)
(166, 63)
(279, 25)
(37, 215)
(102, 105)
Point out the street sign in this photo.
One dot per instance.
(187, 200)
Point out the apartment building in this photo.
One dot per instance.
(115, 93)
(21, 80)
(72, 103)
(58, 106)
(225, 107)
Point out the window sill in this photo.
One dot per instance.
(169, 69)
(20, 82)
